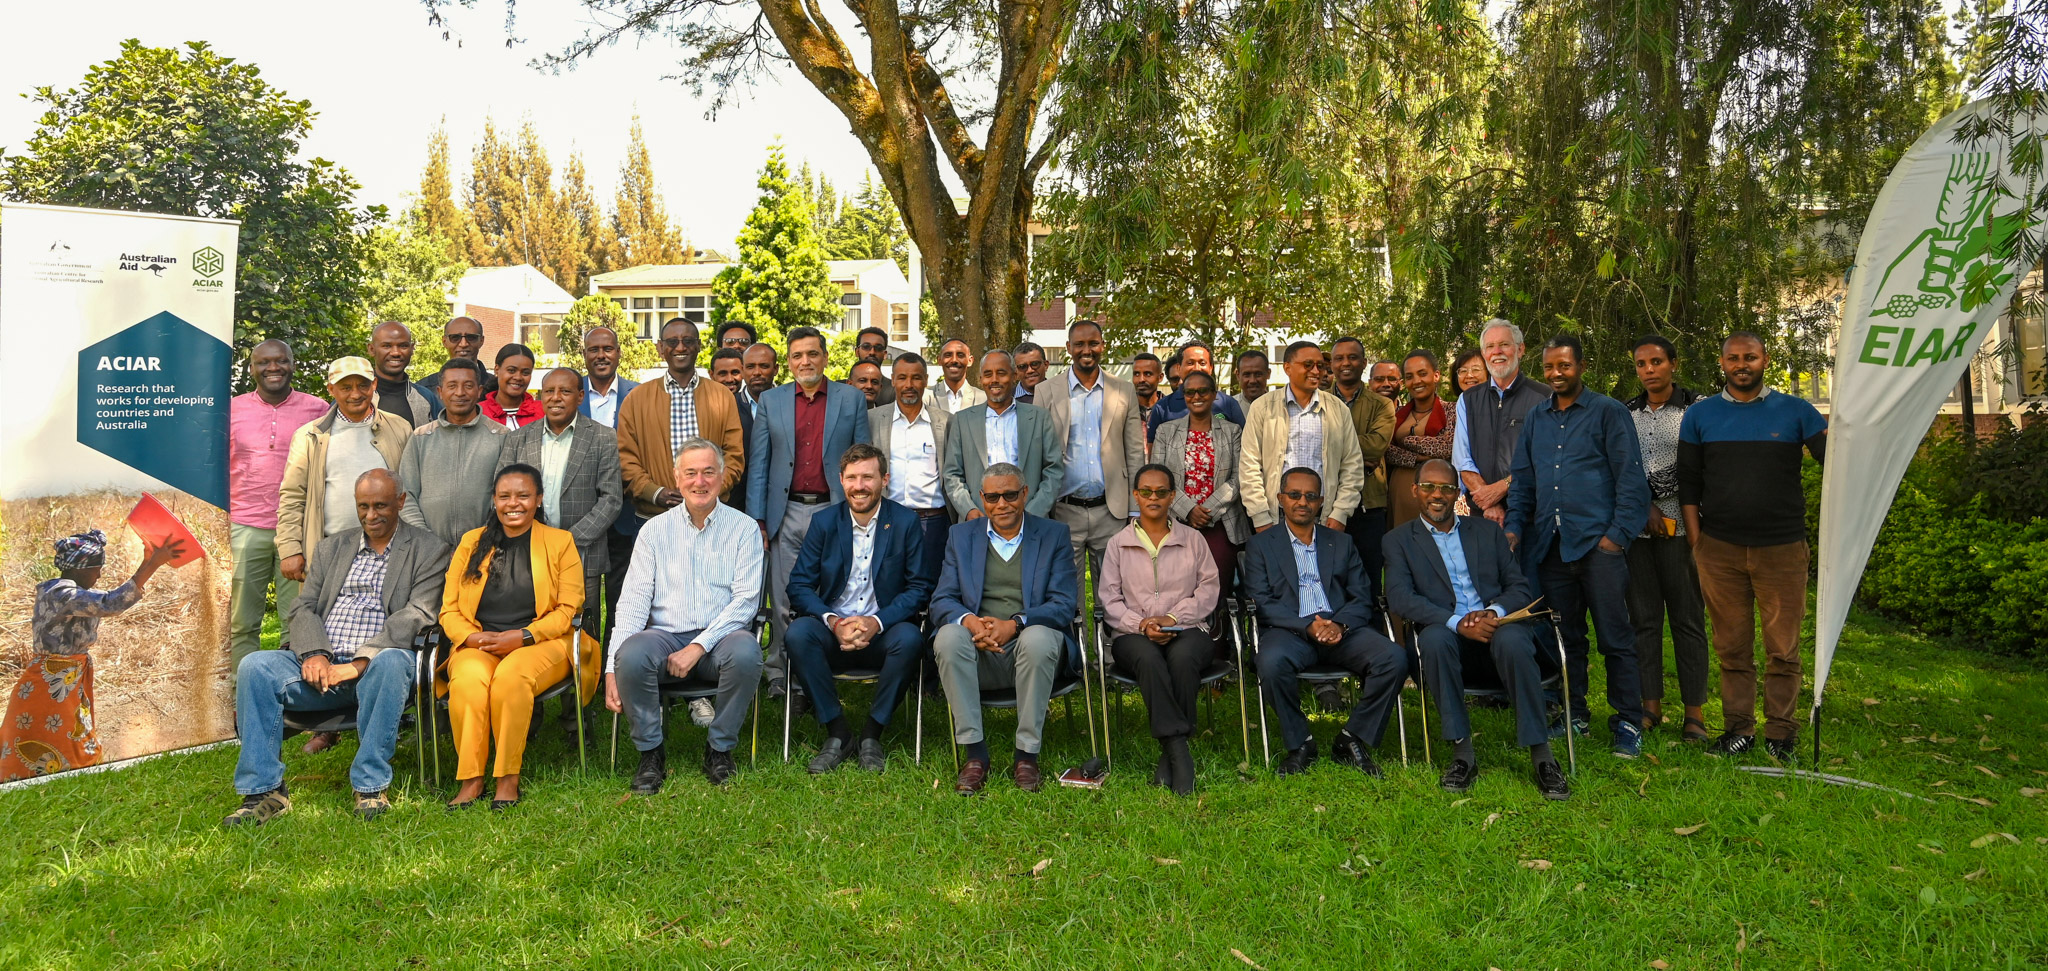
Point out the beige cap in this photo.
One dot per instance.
(350, 367)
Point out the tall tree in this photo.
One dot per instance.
(868, 228)
(436, 206)
(602, 251)
(518, 213)
(187, 131)
(640, 219)
(407, 274)
(951, 93)
(780, 279)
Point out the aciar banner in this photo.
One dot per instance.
(115, 333)
(1931, 277)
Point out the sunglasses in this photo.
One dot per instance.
(464, 338)
(675, 342)
(991, 498)
(1198, 392)
(1299, 496)
(1154, 493)
(1443, 488)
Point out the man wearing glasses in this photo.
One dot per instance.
(1455, 578)
(1007, 596)
(1315, 608)
(658, 416)
(871, 346)
(463, 339)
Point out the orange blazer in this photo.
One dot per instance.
(557, 594)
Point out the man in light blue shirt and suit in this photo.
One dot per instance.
(802, 429)
(1455, 578)
(1005, 430)
(1006, 598)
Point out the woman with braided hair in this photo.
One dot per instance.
(49, 722)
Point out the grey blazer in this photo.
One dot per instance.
(1123, 433)
(592, 490)
(1170, 448)
(415, 568)
(1038, 454)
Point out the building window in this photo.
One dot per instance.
(2032, 331)
(899, 324)
(668, 303)
(697, 310)
(852, 303)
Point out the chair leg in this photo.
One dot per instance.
(615, 743)
(917, 755)
(576, 674)
(1564, 669)
(788, 710)
(1422, 705)
(1401, 723)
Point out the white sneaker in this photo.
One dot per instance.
(701, 712)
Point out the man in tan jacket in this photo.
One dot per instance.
(658, 415)
(1102, 434)
(1299, 426)
(327, 455)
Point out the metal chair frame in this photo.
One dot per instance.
(860, 676)
(1107, 673)
(669, 696)
(574, 680)
(344, 719)
(1413, 644)
(1329, 674)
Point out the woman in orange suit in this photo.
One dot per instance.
(513, 588)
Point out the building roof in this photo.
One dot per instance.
(700, 274)
(511, 287)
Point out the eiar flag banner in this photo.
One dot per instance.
(1933, 272)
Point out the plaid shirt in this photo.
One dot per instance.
(1305, 436)
(358, 611)
(682, 410)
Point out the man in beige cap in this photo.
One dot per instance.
(327, 456)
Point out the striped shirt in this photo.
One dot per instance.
(684, 578)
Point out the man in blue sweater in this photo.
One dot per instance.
(1745, 513)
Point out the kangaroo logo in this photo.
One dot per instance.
(1960, 257)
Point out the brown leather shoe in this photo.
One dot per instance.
(1027, 777)
(972, 777)
(321, 742)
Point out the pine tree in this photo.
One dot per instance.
(639, 219)
(518, 215)
(781, 279)
(601, 251)
(869, 228)
(435, 209)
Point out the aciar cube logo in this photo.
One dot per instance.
(208, 261)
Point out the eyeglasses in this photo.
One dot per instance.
(673, 343)
(1443, 488)
(991, 498)
(1198, 392)
(1154, 493)
(464, 338)
(1299, 496)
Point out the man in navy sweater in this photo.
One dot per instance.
(1738, 486)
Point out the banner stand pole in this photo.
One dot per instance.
(1814, 723)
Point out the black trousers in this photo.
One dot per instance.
(1513, 653)
(1169, 676)
(1366, 654)
(1367, 527)
(1663, 583)
(621, 549)
(1596, 583)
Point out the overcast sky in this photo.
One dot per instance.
(381, 78)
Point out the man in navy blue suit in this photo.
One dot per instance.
(856, 593)
(799, 433)
(1454, 578)
(1315, 607)
(1007, 598)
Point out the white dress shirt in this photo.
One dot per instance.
(914, 460)
(1084, 439)
(858, 599)
(604, 405)
(554, 467)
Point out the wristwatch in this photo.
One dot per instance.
(525, 637)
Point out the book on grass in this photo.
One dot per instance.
(157, 525)
(1073, 777)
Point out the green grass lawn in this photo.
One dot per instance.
(1331, 870)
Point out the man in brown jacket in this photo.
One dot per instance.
(331, 452)
(660, 414)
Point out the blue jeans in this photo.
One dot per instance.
(268, 684)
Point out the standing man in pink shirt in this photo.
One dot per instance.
(260, 427)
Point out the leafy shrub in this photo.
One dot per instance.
(1961, 572)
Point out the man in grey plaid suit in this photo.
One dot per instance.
(581, 490)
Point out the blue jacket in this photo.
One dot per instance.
(1274, 584)
(1419, 584)
(826, 559)
(771, 459)
(1052, 590)
(1578, 476)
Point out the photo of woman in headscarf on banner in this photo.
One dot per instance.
(49, 723)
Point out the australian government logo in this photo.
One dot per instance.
(209, 264)
(1956, 263)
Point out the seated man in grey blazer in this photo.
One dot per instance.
(1002, 429)
(1455, 578)
(368, 591)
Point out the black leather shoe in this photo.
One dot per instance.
(829, 756)
(719, 767)
(1162, 774)
(1458, 776)
(1180, 764)
(873, 758)
(1551, 783)
(1782, 749)
(1298, 760)
(1350, 750)
(653, 771)
(500, 805)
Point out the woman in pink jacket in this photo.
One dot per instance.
(1159, 586)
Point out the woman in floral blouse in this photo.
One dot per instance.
(1423, 430)
(49, 721)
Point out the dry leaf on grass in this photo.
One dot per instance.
(1165, 861)
(1970, 799)
(1038, 869)
(1240, 956)
(1985, 771)
(1459, 802)
(1491, 818)
(1867, 701)
(1974, 874)
(2031, 792)
(1536, 864)
(843, 891)
(1689, 830)
(1659, 963)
